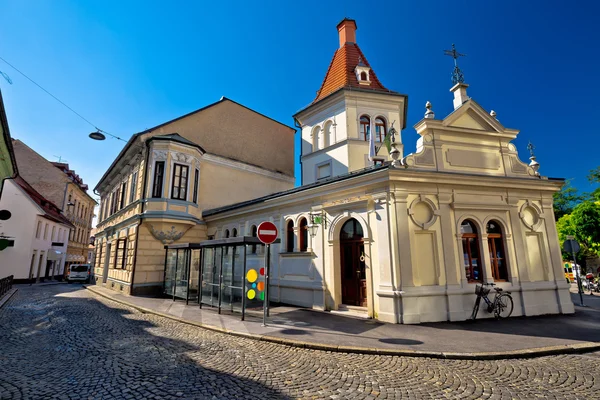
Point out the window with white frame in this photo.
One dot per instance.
(180, 181)
(133, 187)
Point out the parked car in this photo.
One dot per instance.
(79, 273)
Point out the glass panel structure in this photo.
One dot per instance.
(217, 273)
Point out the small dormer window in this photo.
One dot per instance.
(362, 73)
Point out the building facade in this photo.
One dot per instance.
(400, 238)
(8, 163)
(63, 187)
(155, 191)
(39, 234)
(406, 241)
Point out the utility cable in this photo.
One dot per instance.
(61, 102)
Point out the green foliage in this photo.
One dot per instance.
(586, 219)
(594, 177)
(566, 200)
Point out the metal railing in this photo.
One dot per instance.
(5, 285)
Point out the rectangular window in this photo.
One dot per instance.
(157, 186)
(324, 171)
(133, 187)
(53, 234)
(179, 184)
(38, 231)
(196, 174)
(46, 232)
(123, 191)
(98, 260)
(120, 253)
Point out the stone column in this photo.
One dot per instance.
(485, 257)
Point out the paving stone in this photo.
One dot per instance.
(59, 342)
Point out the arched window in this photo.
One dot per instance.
(380, 129)
(289, 236)
(234, 232)
(365, 128)
(328, 134)
(470, 244)
(317, 138)
(254, 234)
(363, 76)
(303, 235)
(226, 233)
(497, 255)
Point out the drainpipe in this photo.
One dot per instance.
(297, 125)
(137, 235)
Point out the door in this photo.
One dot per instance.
(354, 282)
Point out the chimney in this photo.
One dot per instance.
(460, 94)
(347, 31)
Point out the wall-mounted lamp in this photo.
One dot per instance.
(316, 219)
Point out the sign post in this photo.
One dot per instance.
(571, 246)
(267, 234)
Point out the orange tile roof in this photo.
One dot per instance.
(341, 72)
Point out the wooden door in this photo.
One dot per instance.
(354, 282)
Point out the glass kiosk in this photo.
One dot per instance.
(226, 274)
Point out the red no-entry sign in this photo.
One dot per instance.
(267, 232)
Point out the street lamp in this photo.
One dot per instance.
(97, 135)
(316, 219)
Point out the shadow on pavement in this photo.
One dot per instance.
(79, 347)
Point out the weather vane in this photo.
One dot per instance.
(531, 147)
(457, 75)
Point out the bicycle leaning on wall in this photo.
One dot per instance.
(501, 306)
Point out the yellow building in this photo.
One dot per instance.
(155, 191)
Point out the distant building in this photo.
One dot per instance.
(63, 187)
(39, 234)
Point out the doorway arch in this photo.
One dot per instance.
(352, 264)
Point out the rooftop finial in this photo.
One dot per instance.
(533, 164)
(531, 147)
(457, 75)
(494, 114)
(429, 114)
(361, 62)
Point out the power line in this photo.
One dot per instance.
(60, 101)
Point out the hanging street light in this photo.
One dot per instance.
(97, 135)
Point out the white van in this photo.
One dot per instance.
(79, 273)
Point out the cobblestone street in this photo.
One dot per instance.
(60, 342)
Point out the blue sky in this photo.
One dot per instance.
(129, 65)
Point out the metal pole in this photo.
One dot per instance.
(578, 280)
(221, 279)
(200, 278)
(266, 301)
(189, 275)
(174, 279)
(244, 285)
(232, 277)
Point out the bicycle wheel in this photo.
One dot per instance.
(503, 306)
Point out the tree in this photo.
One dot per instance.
(586, 219)
(594, 177)
(566, 200)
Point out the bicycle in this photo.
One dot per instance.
(501, 306)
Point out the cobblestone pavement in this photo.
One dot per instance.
(61, 342)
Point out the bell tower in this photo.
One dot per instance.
(351, 111)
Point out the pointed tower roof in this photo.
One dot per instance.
(341, 72)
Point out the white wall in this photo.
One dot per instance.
(21, 227)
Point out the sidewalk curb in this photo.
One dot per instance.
(578, 348)
(8, 296)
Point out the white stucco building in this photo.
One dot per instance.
(36, 232)
(406, 241)
(400, 238)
